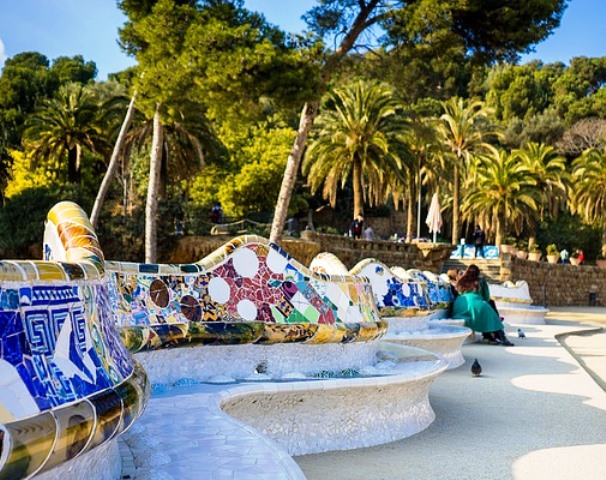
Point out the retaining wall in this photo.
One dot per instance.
(556, 284)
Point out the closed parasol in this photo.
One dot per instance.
(434, 217)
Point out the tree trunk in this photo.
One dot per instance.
(308, 114)
(455, 204)
(151, 206)
(72, 161)
(501, 229)
(604, 238)
(358, 194)
(410, 211)
(532, 227)
(113, 163)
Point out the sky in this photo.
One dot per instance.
(90, 28)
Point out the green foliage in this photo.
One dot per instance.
(501, 192)
(552, 249)
(63, 127)
(24, 176)
(329, 229)
(359, 135)
(73, 69)
(570, 232)
(579, 90)
(256, 185)
(23, 215)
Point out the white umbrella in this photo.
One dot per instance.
(434, 217)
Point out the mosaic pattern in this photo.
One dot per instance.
(438, 290)
(392, 293)
(248, 291)
(397, 291)
(61, 359)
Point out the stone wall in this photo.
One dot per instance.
(424, 256)
(557, 285)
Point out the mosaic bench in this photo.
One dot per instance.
(515, 304)
(411, 302)
(68, 387)
(251, 313)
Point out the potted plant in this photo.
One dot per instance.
(553, 254)
(522, 251)
(534, 253)
(507, 245)
(574, 257)
(601, 261)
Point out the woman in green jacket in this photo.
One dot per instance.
(472, 306)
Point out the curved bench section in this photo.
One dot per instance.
(434, 335)
(290, 417)
(515, 304)
(352, 413)
(408, 301)
(248, 291)
(67, 384)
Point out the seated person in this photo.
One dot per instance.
(483, 289)
(471, 306)
(453, 276)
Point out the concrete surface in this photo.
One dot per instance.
(536, 412)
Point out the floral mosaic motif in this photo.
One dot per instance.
(391, 290)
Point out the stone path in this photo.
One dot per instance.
(185, 435)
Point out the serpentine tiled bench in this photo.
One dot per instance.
(515, 304)
(68, 387)
(412, 302)
(251, 313)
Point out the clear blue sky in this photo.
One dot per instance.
(90, 28)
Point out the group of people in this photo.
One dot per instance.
(357, 229)
(565, 256)
(473, 304)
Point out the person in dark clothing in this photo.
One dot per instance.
(357, 227)
(478, 240)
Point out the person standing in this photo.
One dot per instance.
(478, 240)
(356, 227)
(369, 233)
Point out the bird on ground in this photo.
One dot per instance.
(521, 333)
(476, 368)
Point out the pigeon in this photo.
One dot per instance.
(521, 333)
(476, 368)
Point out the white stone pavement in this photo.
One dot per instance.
(187, 436)
(533, 414)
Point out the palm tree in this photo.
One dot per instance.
(424, 147)
(502, 192)
(461, 129)
(151, 205)
(64, 126)
(589, 193)
(180, 144)
(553, 181)
(359, 135)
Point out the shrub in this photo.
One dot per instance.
(552, 249)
